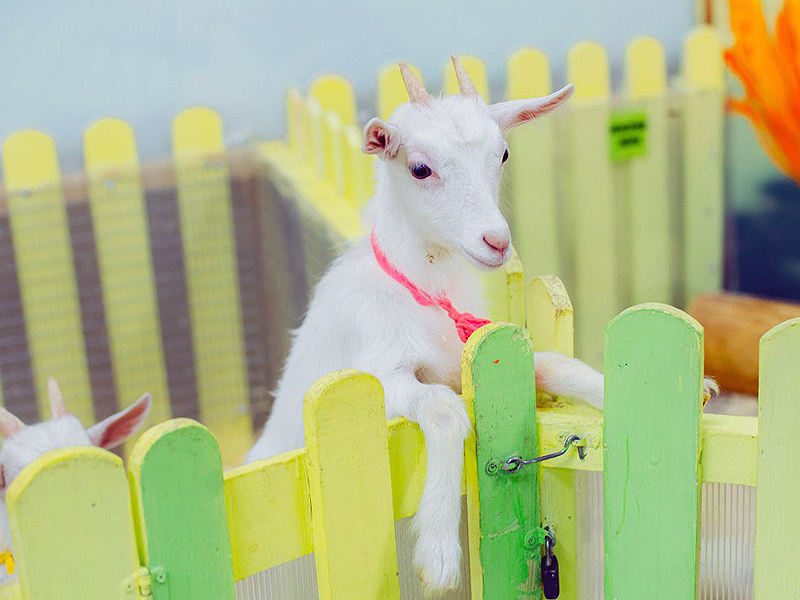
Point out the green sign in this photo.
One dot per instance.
(628, 134)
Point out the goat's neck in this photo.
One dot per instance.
(430, 266)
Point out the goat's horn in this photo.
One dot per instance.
(57, 407)
(9, 424)
(416, 91)
(464, 82)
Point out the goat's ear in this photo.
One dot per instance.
(381, 138)
(516, 112)
(118, 427)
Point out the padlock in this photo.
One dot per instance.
(551, 586)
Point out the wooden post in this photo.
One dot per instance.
(592, 212)
(531, 169)
(46, 271)
(648, 230)
(777, 547)
(499, 375)
(176, 476)
(71, 522)
(550, 325)
(653, 400)
(122, 235)
(212, 281)
(350, 488)
(703, 163)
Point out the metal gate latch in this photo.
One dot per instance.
(515, 463)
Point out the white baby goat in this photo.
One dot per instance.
(435, 213)
(22, 444)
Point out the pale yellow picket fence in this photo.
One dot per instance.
(619, 230)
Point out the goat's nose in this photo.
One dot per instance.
(498, 243)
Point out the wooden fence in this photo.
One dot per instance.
(621, 195)
(181, 529)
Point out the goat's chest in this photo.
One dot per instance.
(442, 349)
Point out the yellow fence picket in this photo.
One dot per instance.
(73, 529)
(335, 94)
(550, 325)
(648, 228)
(316, 147)
(592, 211)
(350, 488)
(45, 269)
(776, 573)
(703, 163)
(332, 142)
(532, 170)
(119, 218)
(391, 89)
(475, 68)
(296, 124)
(212, 280)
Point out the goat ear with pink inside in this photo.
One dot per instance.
(381, 138)
(516, 112)
(114, 430)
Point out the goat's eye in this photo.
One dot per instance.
(505, 155)
(420, 171)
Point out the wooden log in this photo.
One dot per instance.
(734, 324)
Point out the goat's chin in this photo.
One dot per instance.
(484, 263)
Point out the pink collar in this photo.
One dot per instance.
(466, 323)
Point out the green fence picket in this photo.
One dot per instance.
(653, 400)
(176, 474)
(499, 375)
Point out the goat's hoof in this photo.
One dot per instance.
(439, 568)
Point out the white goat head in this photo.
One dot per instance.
(22, 444)
(442, 159)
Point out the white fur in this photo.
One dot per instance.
(361, 318)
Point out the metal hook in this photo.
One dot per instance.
(515, 463)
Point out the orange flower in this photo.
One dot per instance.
(769, 68)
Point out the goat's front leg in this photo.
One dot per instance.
(443, 419)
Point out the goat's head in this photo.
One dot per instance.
(444, 157)
(22, 444)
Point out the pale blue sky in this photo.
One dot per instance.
(63, 64)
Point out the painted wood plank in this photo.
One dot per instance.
(335, 94)
(391, 89)
(475, 68)
(591, 207)
(316, 146)
(122, 236)
(504, 292)
(651, 491)
(349, 484)
(269, 512)
(550, 327)
(176, 476)
(500, 378)
(332, 142)
(296, 124)
(531, 169)
(72, 527)
(703, 164)
(358, 169)
(212, 279)
(776, 574)
(45, 269)
(649, 224)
